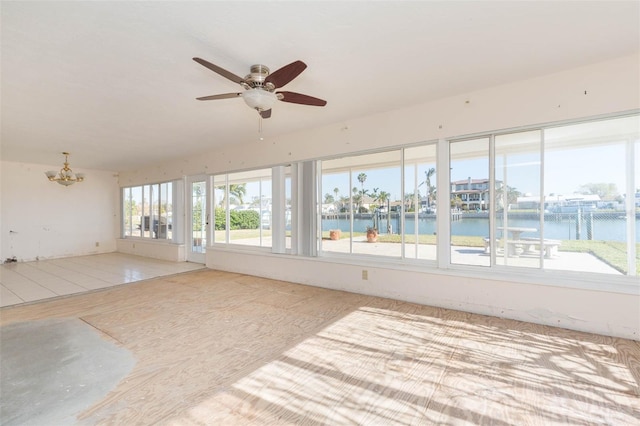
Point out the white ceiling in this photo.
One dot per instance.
(114, 82)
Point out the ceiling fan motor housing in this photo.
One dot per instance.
(257, 78)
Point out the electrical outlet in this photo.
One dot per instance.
(365, 274)
(97, 243)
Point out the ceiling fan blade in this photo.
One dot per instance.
(222, 96)
(285, 74)
(265, 114)
(227, 74)
(298, 98)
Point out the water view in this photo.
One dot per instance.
(608, 228)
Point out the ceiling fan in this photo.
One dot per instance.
(260, 85)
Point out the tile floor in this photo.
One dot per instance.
(33, 281)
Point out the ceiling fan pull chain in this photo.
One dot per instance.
(260, 126)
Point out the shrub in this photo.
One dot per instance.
(220, 219)
(244, 219)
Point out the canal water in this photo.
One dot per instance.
(610, 228)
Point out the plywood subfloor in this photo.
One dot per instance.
(223, 348)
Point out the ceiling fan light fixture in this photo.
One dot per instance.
(259, 99)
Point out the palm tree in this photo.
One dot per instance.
(430, 188)
(361, 178)
(374, 194)
(383, 197)
(344, 200)
(238, 191)
(506, 195)
(408, 201)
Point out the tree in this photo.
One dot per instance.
(131, 207)
(431, 189)
(238, 191)
(606, 191)
(409, 201)
(456, 202)
(328, 198)
(361, 178)
(197, 222)
(344, 200)
(374, 194)
(357, 200)
(506, 194)
(383, 197)
(336, 200)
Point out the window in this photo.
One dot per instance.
(562, 197)
(147, 211)
(362, 193)
(589, 187)
(243, 208)
(420, 239)
(517, 198)
(470, 201)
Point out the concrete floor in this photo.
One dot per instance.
(53, 369)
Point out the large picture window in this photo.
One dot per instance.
(564, 198)
(419, 201)
(147, 211)
(243, 208)
(553, 198)
(361, 206)
(590, 189)
(471, 201)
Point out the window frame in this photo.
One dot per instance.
(443, 263)
(155, 197)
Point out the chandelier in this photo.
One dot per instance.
(65, 176)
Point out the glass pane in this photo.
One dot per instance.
(135, 205)
(250, 208)
(146, 211)
(336, 208)
(518, 202)
(420, 202)
(163, 227)
(585, 183)
(380, 202)
(470, 201)
(198, 217)
(128, 211)
(288, 209)
(637, 201)
(264, 208)
(369, 186)
(154, 212)
(219, 209)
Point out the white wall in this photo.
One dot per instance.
(163, 250)
(552, 301)
(599, 89)
(41, 219)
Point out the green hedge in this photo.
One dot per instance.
(240, 219)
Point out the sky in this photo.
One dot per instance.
(566, 172)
